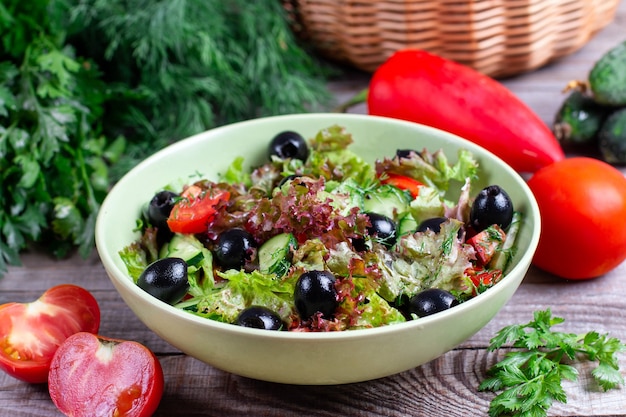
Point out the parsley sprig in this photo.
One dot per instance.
(529, 378)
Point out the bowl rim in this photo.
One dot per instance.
(120, 277)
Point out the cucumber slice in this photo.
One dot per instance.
(387, 200)
(407, 225)
(502, 258)
(186, 247)
(274, 254)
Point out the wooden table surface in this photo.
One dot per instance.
(447, 386)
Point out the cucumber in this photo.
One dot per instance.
(186, 247)
(579, 119)
(387, 200)
(407, 225)
(274, 254)
(607, 78)
(612, 138)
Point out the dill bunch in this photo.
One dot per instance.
(184, 66)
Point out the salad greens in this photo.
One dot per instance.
(324, 209)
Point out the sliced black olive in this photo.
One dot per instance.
(491, 206)
(289, 145)
(260, 317)
(315, 292)
(405, 153)
(165, 279)
(233, 248)
(431, 301)
(382, 229)
(434, 224)
(358, 243)
(287, 178)
(160, 208)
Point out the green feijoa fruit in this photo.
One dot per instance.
(612, 138)
(607, 78)
(579, 119)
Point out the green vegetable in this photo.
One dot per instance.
(612, 138)
(54, 156)
(579, 119)
(387, 200)
(529, 379)
(274, 254)
(89, 87)
(608, 77)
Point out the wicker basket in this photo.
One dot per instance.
(497, 37)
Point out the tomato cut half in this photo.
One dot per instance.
(193, 213)
(30, 333)
(92, 375)
(403, 182)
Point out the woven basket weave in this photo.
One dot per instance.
(496, 37)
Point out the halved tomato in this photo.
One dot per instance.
(92, 375)
(30, 333)
(193, 213)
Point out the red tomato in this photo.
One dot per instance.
(92, 375)
(195, 211)
(486, 243)
(484, 279)
(582, 202)
(30, 333)
(402, 182)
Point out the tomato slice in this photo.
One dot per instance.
(486, 243)
(193, 213)
(92, 375)
(30, 333)
(403, 182)
(483, 279)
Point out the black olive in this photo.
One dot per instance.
(431, 301)
(233, 248)
(358, 244)
(382, 229)
(315, 292)
(434, 224)
(289, 144)
(405, 153)
(491, 206)
(260, 317)
(160, 208)
(286, 179)
(165, 279)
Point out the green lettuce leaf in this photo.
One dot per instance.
(426, 260)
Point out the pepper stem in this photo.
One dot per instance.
(358, 98)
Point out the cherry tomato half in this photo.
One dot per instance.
(92, 375)
(193, 213)
(403, 182)
(30, 333)
(582, 202)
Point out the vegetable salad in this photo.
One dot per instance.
(317, 239)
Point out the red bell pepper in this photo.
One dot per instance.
(421, 87)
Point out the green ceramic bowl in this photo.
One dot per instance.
(304, 358)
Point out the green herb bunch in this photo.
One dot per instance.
(529, 378)
(54, 158)
(90, 87)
